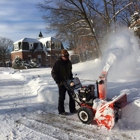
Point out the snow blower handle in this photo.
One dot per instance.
(73, 84)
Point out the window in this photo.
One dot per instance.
(25, 45)
(48, 44)
(35, 45)
(16, 47)
(53, 45)
(20, 46)
(39, 58)
(30, 46)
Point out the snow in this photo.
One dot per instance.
(29, 98)
(30, 40)
(45, 39)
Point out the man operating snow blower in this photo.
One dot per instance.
(96, 107)
(62, 71)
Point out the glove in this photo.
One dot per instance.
(59, 84)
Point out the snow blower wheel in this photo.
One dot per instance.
(85, 115)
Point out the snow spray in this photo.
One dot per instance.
(121, 53)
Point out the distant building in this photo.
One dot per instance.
(52, 48)
(45, 50)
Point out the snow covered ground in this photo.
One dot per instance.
(28, 98)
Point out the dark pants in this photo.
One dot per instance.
(62, 93)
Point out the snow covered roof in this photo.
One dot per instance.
(45, 39)
(30, 40)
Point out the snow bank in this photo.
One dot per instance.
(47, 94)
(131, 112)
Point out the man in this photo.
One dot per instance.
(61, 71)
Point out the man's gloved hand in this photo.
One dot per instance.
(72, 77)
(60, 84)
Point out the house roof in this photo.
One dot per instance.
(30, 40)
(45, 39)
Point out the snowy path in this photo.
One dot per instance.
(12, 103)
(23, 117)
(19, 96)
(16, 86)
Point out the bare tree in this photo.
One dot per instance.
(125, 15)
(109, 10)
(71, 18)
(74, 19)
(5, 44)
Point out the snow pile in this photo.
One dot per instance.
(48, 93)
(39, 84)
(131, 113)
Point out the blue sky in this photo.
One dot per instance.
(20, 19)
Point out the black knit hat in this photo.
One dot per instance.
(64, 53)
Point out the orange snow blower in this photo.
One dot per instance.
(107, 112)
(96, 108)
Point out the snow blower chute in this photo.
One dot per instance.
(96, 107)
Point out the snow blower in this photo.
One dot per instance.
(104, 112)
(96, 108)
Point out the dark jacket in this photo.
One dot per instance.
(62, 70)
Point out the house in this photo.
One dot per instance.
(45, 50)
(52, 48)
(27, 49)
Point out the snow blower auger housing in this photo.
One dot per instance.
(96, 108)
